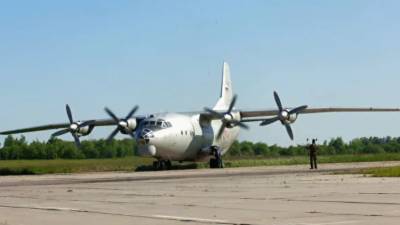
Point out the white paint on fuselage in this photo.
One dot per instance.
(184, 140)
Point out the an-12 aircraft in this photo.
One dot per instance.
(191, 136)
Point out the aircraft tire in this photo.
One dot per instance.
(213, 163)
(168, 165)
(156, 165)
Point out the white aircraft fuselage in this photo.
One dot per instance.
(182, 137)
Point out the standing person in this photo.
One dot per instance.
(313, 149)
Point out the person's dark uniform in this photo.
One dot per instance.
(313, 154)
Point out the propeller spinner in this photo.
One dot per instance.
(284, 115)
(73, 128)
(227, 118)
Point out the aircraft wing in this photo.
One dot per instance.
(97, 123)
(253, 116)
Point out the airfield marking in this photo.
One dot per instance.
(157, 217)
(191, 219)
(332, 223)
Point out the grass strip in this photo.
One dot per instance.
(31, 167)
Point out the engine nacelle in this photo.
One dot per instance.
(83, 131)
(288, 118)
(291, 118)
(132, 124)
(128, 126)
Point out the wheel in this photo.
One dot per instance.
(168, 165)
(215, 163)
(162, 165)
(156, 165)
(212, 163)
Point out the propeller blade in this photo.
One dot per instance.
(111, 114)
(298, 109)
(112, 135)
(290, 131)
(77, 141)
(87, 123)
(214, 113)
(69, 113)
(233, 102)
(242, 125)
(59, 133)
(269, 121)
(132, 112)
(278, 101)
(221, 131)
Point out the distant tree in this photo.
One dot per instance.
(260, 149)
(374, 149)
(338, 145)
(235, 149)
(89, 150)
(246, 148)
(19, 148)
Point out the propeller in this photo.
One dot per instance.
(227, 118)
(284, 115)
(123, 124)
(73, 128)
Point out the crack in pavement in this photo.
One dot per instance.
(155, 217)
(351, 214)
(130, 202)
(378, 193)
(337, 201)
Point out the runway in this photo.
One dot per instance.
(263, 195)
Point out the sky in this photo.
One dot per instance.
(167, 56)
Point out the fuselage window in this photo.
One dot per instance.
(181, 132)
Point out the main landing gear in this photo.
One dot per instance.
(162, 165)
(216, 160)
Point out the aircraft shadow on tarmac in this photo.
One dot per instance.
(10, 172)
(186, 166)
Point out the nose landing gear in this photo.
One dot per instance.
(216, 160)
(162, 165)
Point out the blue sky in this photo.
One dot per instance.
(167, 56)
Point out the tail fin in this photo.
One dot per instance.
(226, 89)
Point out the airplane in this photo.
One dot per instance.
(192, 136)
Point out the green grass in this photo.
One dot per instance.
(382, 172)
(28, 167)
(15, 167)
(295, 160)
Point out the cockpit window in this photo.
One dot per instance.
(156, 124)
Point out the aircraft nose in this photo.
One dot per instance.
(146, 140)
(145, 136)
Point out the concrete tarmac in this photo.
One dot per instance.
(264, 195)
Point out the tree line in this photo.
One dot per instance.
(18, 148)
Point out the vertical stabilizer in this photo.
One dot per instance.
(226, 89)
